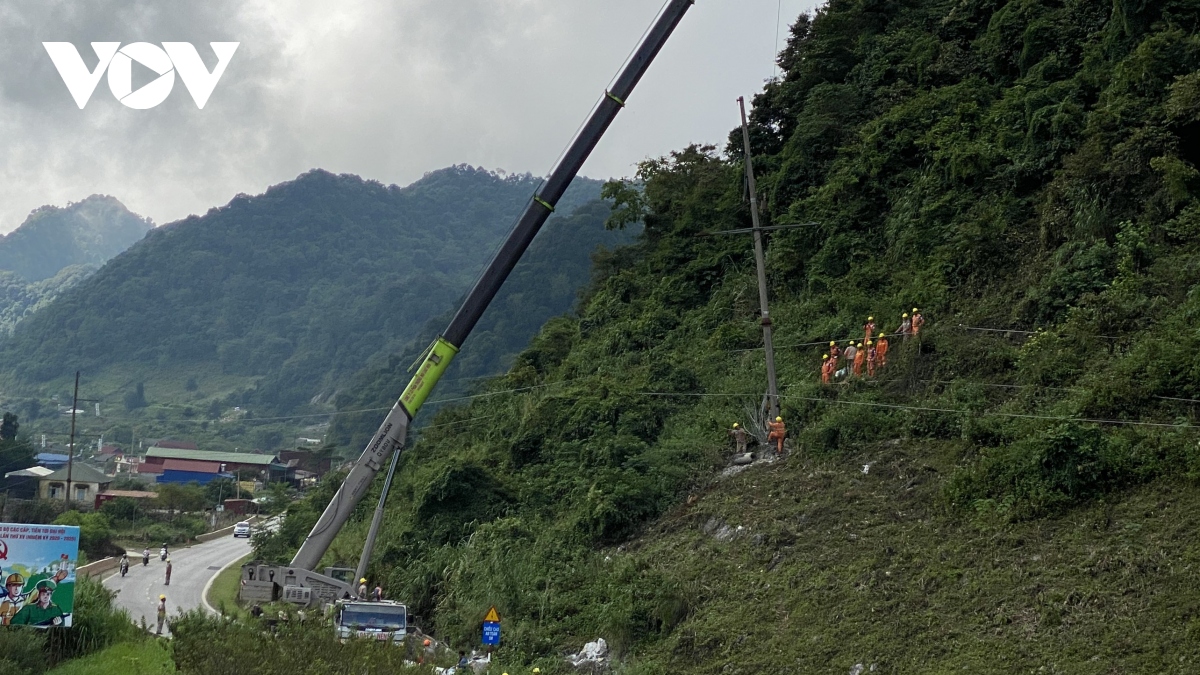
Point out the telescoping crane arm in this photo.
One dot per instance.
(392, 433)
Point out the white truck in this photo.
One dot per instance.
(385, 621)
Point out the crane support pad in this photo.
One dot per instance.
(418, 389)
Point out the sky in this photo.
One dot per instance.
(385, 89)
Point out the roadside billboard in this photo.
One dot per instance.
(37, 568)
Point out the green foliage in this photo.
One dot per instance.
(95, 531)
(139, 657)
(294, 646)
(175, 497)
(137, 398)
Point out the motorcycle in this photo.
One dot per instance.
(162, 554)
(145, 557)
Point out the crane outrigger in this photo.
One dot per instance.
(299, 582)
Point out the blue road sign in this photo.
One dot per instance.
(491, 632)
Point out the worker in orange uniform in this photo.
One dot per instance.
(869, 328)
(826, 369)
(776, 431)
(834, 350)
(881, 350)
(860, 357)
(917, 321)
(872, 359)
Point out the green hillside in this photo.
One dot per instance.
(56, 248)
(87, 232)
(273, 301)
(543, 285)
(1013, 493)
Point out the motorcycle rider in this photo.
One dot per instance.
(124, 563)
(162, 552)
(145, 557)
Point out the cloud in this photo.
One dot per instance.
(387, 90)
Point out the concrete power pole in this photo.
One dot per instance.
(71, 444)
(772, 385)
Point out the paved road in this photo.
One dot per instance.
(191, 568)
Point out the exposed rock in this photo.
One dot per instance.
(593, 658)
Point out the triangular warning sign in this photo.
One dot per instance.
(492, 615)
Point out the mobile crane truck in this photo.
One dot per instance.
(300, 582)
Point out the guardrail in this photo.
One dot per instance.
(108, 564)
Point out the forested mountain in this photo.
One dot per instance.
(56, 248)
(1013, 487)
(88, 232)
(544, 284)
(292, 290)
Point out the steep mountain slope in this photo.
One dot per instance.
(88, 232)
(288, 292)
(1004, 496)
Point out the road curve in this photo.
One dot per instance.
(191, 569)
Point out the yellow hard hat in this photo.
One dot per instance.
(904, 315)
(735, 425)
(870, 318)
(870, 342)
(14, 579)
(537, 670)
(832, 343)
(914, 310)
(162, 597)
(825, 356)
(881, 336)
(778, 419)
(850, 342)
(362, 580)
(860, 344)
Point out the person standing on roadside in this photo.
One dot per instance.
(881, 350)
(917, 321)
(869, 328)
(162, 613)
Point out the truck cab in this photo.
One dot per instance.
(386, 621)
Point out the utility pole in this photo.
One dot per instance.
(71, 444)
(772, 385)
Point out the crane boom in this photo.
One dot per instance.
(392, 433)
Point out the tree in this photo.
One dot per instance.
(8, 428)
(137, 398)
(175, 497)
(219, 490)
(14, 454)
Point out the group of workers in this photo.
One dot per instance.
(776, 433)
(868, 354)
